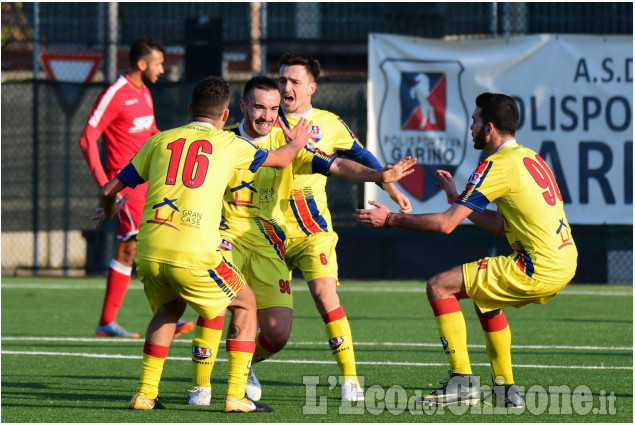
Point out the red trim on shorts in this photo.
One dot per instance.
(445, 306)
(244, 346)
(334, 315)
(158, 351)
(264, 344)
(216, 323)
(495, 324)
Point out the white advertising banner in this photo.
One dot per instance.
(575, 97)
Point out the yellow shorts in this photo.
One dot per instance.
(497, 282)
(314, 255)
(267, 277)
(208, 292)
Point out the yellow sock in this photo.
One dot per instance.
(451, 326)
(498, 341)
(151, 369)
(263, 350)
(205, 348)
(239, 354)
(338, 331)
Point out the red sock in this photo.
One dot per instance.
(116, 287)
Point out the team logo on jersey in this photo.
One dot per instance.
(474, 179)
(423, 115)
(335, 343)
(201, 353)
(316, 133)
(225, 245)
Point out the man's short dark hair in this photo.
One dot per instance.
(499, 109)
(143, 46)
(311, 64)
(210, 98)
(259, 82)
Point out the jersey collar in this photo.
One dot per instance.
(298, 116)
(507, 143)
(205, 124)
(248, 137)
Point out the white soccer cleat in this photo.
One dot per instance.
(352, 392)
(253, 390)
(200, 396)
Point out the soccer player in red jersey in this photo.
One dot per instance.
(124, 114)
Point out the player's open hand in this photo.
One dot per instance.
(375, 217)
(100, 214)
(446, 182)
(300, 134)
(395, 172)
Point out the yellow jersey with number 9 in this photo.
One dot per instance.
(525, 191)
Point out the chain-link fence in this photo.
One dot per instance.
(48, 193)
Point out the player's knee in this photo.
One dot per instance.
(432, 288)
(277, 337)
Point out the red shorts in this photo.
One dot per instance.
(129, 217)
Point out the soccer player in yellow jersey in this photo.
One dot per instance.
(178, 259)
(310, 244)
(530, 212)
(253, 230)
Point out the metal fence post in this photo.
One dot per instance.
(36, 112)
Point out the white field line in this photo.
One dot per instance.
(318, 343)
(299, 288)
(408, 364)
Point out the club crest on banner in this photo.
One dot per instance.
(423, 115)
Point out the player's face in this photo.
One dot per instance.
(260, 112)
(153, 67)
(478, 130)
(296, 88)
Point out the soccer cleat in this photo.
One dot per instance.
(141, 402)
(183, 327)
(352, 392)
(507, 396)
(459, 389)
(253, 390)
(200, 396)
(245, 405)
(114, 329)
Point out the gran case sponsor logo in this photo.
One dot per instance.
(423, 115)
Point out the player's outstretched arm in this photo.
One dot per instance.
(110, 200)
(296, 140)
(444, 222)
(352, 170)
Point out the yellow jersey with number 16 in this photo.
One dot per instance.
(187, 170)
